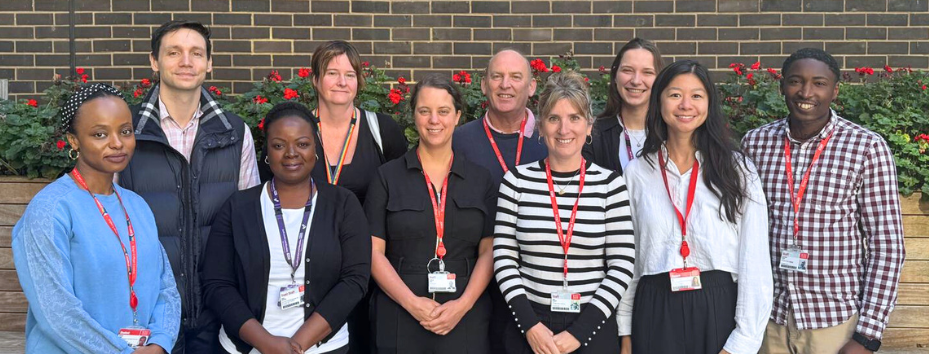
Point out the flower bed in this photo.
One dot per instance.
(892, 102)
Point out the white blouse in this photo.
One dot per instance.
(636, 140)
(276, 321)
(739, 248)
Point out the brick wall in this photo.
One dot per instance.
(415, 38)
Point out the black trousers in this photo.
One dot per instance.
(201, 337)
(342, 350)
(606, 341)
(684, 322)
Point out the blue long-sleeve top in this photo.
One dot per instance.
(73, 272)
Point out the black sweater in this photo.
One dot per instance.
(237, 260)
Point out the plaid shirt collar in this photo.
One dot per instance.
(151, 109)
(830, 126)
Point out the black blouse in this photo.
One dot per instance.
(399, 211)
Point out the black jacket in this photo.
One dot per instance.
(237, 261)
(185, 195)
(604, 149)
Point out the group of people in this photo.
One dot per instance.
(645, 229)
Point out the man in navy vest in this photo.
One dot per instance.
(190, 157)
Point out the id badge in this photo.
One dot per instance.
(291, 296)
(686, 279)
(135, 336)
(566, 301)
(442, 282)
(795, 259)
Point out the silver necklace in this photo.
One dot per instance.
(562, 189)
(638, 142)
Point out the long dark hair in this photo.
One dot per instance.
(713, 139)
(614, 103)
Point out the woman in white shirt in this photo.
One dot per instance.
(703, 281)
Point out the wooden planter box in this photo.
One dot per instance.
(909, 324)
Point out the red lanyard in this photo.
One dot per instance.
(795, 199)
(628, 143)
(519, 145)
(131, 266)
(565, 239)
(438, 207)
(691, 191)
(333, 177)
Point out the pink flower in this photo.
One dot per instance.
(274, 76)
(290, 94)
(33, 103)
(556, 69)
(60, 145)
(304, 72)
(756, 66)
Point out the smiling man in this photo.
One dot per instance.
(836, 235)
(505, 137)
(190, 157)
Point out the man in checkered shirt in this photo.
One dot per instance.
(837, 259)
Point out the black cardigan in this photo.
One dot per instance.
(237, 260)
(604, 149)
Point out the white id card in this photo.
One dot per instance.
(565, 301)
(135, 336)
(795, 259)
(442, 282)
(685, 279)
(291, 296)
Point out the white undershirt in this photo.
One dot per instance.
(276, 321)
(636, 139)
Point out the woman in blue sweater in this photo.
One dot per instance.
(87, 252)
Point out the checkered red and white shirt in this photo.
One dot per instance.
(850, 223)
(182, 139)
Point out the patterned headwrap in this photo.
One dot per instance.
(69, 111)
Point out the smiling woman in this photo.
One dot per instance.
(72, 271)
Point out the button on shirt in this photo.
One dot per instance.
(182, 139)
(850, 223)
(715, 243)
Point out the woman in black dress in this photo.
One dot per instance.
(431, 218)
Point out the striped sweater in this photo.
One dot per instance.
(528, 256)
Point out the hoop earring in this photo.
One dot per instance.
(266, 161)
(590, 139)
(73, 154)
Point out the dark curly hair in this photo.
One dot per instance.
(812, 53)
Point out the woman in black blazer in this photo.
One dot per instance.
(293, 296)
(619, 131)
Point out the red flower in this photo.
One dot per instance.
(456, 78)
(61, 145)
(924, 87)
(462, 77)
(774, 74)
(146, 83)
(919, 137)
(887, 68)
(586, 80)
(602, 69)
(864, 71)
(304, 72)
(290, 94)
(364, 63)
(556, 69)
(401, 80)
(215, 91)
(395, 96)
(751, 80)
(79, 71)
(756, 66)
(274, 76)
(33, 103)
(538, 65)
(258, 99)
(261, 124)
(84, 78)
(137, 93)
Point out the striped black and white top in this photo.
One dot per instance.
(528, 256)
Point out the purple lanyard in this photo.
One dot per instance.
(628, 143)
(294, 263)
